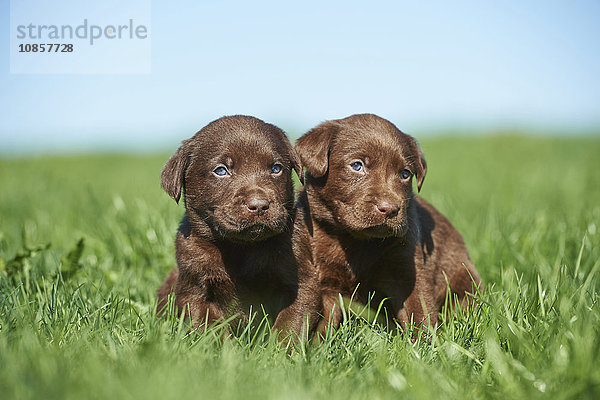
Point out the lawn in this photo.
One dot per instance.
(86, 240)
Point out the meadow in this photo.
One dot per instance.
(86, 240)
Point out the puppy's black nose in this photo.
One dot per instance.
(257, 205)
(387, 208)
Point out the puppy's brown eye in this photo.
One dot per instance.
(276, 169)
(405, 174)
(357, 166)
(220, 171)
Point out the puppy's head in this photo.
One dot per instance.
(235, 174)
(359, 173)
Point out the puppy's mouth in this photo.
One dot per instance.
(249, 229)
(369, 225)
(253, 233)
(381, 231)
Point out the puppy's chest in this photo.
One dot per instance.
(249, 267)
(259, 270)
(260, 286)
(364, 262)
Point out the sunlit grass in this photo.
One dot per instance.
(85, 241)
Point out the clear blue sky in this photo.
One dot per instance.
(427, 66)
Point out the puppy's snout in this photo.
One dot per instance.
(390, 209)
(258, 205)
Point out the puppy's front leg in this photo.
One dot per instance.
(332, 309)
(204, 290)
(297, 321)
(203, 299)
(416, 311)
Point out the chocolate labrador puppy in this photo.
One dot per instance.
(370, 233)
(234, 246)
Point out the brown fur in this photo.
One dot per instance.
(234, 246)
(369, 230)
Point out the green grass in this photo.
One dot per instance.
(85, 241)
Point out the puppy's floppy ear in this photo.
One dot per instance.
(421, 169)
(296, 164)
(418, 160)
(313, 148)
(173, 173)
(294, 159)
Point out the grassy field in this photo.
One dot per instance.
(85, 241)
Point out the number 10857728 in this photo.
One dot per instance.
(46, 48)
